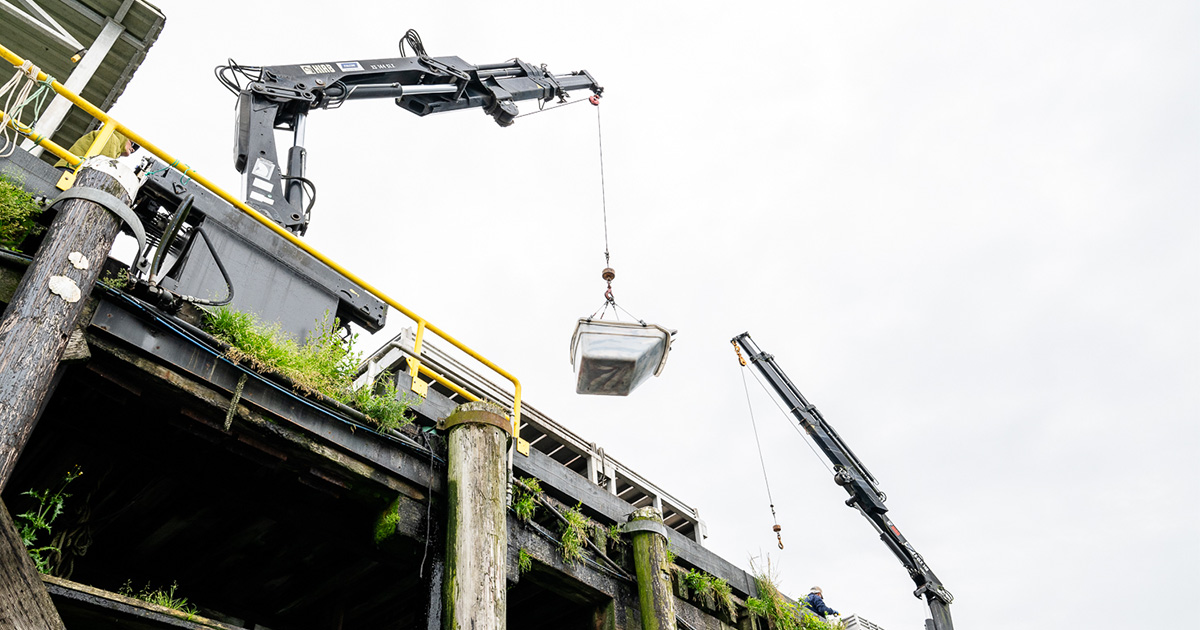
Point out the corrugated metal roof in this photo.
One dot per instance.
(33, 29)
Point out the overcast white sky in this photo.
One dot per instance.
(969, 232)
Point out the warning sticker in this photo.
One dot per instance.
(257, 196)
(350, 66)
(263, 168)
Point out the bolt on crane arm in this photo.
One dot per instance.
(281, 97)
(853, 476)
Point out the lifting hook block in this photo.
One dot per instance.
(594, 100)
(741, 360)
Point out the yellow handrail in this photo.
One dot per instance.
(111, 124)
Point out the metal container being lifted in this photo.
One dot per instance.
(614, 358)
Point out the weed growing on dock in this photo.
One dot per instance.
(386, 405)
(118, 281)
(525, 498)
(574, 534)
(614, 533)
(324, 364)
(697, 582)
(41, 519)
(724, 595)
(524, 561)
(17, 213)
(164, 597)
(714, 591)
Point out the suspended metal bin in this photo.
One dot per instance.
(614, 358)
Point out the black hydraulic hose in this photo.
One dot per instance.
(164, 243)
(221, 268)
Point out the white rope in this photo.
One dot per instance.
(18, 96)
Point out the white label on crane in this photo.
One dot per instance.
(263, 168)
(350, 66)
(257, 196)
(262, 184)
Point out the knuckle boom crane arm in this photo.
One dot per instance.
(280, 98)
(852, 475)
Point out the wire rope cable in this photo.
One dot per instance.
(803, 435)
(541, 108)
(758, 443)
(603, 195)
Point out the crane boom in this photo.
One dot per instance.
(850, 474)
(281, 97)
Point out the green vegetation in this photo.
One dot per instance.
(608, 535)
(723, 593)
(118, 281)
(41, 519)
(670, 555)
(160, 597)
(385, 525)
(17, 213)
(324, 364)
(712, 590)
(526, 495)
(783, 614)
(574, 527)
(524, 561)
(614, 535)
(697, 582)
(574, 534)
(384, 404)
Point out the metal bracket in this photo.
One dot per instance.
(646, 526)
(476, 417)
(418, 387)
(113, 204)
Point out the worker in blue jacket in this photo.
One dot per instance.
(816, 603)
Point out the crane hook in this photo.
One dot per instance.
(778, 536)
(741, 360)
(594, 100)
(609, 275)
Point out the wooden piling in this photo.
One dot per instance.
(24, 602)
(49, 300)
(473, 585)
(650, 561)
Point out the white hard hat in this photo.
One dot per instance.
(815, 589)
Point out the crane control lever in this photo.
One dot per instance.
(274, 98)
(850, 474)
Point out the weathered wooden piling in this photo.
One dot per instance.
(473, 585)
(655, 598)
(24, 603)
(49, 300)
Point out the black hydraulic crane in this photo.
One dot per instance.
(280, 98)
(852, 475)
